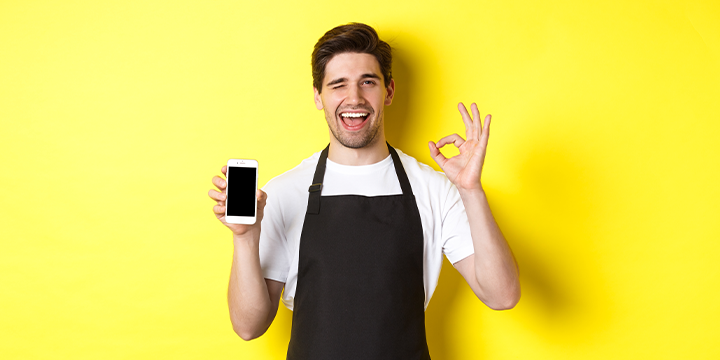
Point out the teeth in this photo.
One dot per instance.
(353, 115)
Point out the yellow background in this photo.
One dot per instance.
(602, 168)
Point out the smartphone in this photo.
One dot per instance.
(241, 202)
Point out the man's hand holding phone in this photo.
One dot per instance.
(249, 226)
(252, 300)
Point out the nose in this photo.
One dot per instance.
(355, 95)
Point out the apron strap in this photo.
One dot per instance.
(315, 189)
(400, 171)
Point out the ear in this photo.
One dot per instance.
(390, 92)
(318, 100)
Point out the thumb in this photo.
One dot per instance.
(261, 202)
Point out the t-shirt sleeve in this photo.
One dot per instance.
(273, 243)
(457, 241)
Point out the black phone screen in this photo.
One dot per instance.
(241, 191)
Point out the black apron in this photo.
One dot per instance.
(360, 291)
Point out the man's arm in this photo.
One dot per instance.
(491, 271)
(252, 299)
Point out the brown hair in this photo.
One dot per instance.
(353, 37)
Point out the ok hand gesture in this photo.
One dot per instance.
(464, 169)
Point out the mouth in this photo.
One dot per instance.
(354, 120)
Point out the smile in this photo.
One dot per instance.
(354, 120)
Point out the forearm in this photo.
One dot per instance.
(251, 309)
(495, 269)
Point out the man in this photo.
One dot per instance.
(355, 234)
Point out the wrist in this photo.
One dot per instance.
(471, 192)
(246, 241)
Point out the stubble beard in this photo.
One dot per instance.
(355, 140)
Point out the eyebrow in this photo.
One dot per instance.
(342, 80)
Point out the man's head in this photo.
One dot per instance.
(353, 82)
(350, 38)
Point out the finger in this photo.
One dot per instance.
(261, 202)
(216, 195)
(224, 169)
(219, 183)
(439, 158)
(455, 139)
(477, 125)
(261, 198)
(261, 195)
(466, 119)
(219, 209)
(486, 131)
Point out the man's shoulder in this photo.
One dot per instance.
(418, 171)
(431, 187)
(298, 177)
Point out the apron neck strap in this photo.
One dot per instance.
(400, 171)
(315, 189)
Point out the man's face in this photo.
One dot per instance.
(353, 97)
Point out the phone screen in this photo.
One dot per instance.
(241, 191)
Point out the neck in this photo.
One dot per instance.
(370, 154)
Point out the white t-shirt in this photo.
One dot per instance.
(444, 222)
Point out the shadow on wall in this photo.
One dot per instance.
(552, 223)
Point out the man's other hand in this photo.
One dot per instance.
(220, 195)
(464, 169)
